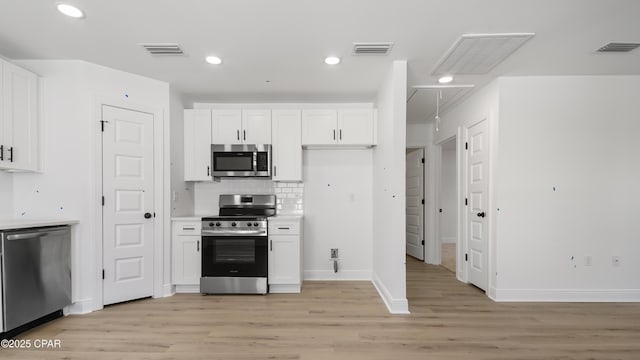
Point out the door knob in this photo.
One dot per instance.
(147, 215)
(481, 214)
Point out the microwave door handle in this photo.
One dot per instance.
(255, 163)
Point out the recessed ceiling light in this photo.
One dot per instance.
(445, 79)
(213, 60)
(70, 10)
(332, 60)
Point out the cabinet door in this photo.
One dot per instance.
(287, 145)
(197, 145)
(227, 126)
(319, 127)
(284, 259)
(256, 127)
(20, 117)
(186, 269)
(355, 127)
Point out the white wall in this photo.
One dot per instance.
(419, 135)
(338, 213)
(579, 136)
(389, 268)
(448, 195)
(6, 195)
(67, 187)
(182, 193)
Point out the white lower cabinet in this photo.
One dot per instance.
(186, 256)
(285, 255)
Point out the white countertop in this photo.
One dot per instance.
(287, 217)
(186, 218)
(10, 224)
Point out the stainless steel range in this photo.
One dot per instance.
(234, 246)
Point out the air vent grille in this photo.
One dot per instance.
(163, 49)
(372, 48)
(618, 47)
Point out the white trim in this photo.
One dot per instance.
(395, 306)
(285, 288)
(187, 289)
(168, 290)
(160, 195)
(79, 307)
(566, 295)
(448, 240)
(342, 275)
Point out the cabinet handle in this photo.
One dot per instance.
(11, 154)
(188, 228)
(238, 134)
(340, 134)
(275, 170)
(1, 152)
(208, 170)
(334, 134)
(244, 134)
(283, 228)
(270, 245)
(198, 246)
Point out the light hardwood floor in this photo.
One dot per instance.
(346, 320)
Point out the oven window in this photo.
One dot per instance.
(235, 251)
(233, 161)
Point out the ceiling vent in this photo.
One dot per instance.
(476, 54)
(163, 49)
(618, 47)
(378, 48)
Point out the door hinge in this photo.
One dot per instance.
(466, 202)
(466, 146)
(422, 201)
(102, 125)
(440, 210)
(466, 257)
(423, 160)
(103, 201)
(102, 274)
(422, 242)
(154, 214)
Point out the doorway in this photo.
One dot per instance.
(448, 206)
(415, 203)
(128, 214)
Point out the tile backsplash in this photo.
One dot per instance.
(289, 195)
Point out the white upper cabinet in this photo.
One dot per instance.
(241, 126)
(19, 121)
(355, 127)
(348, 127)
(197, 145)
(319, 127)
(227, 126)
(256, 126)
(287, 145)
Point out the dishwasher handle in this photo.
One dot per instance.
(34, 235)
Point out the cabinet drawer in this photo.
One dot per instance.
(188, 228)
(284, 228)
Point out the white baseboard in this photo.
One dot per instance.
(395, 306)
(168, 290)
(342, 275)
(284, 289)
(187, 289)
(79, 307)
(448, 240)
(565, 295)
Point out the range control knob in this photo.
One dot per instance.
(210, 224)
(217, 224)
(248, 224)
(255, 224)
(233, 224)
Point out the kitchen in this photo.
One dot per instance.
(348, 197)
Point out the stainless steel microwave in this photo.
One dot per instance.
(241, 160)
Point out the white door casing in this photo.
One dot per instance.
(128, 190)
(415, 208)
(477, 174)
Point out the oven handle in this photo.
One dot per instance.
(234, 233)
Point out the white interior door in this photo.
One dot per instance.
(127, 185)
(415, 207)
(477, 208)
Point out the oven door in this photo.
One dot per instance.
(234, 256)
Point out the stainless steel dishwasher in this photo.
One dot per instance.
(36, 273)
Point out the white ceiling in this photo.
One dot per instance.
(285, 41)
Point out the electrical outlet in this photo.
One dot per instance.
(615, 260)
(334, 253)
